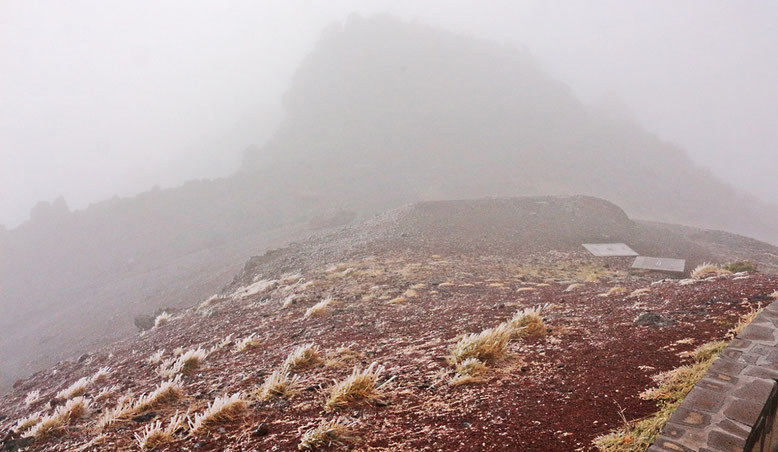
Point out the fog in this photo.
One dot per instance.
(105, 98)
(157, 146)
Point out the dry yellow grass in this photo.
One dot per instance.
(247, 343)
(185, 362)
(320, 309)
(359, 386)
(397, 300)
(278, 384)
(63, 415)
(221, 410)
(706, 270)
(640, 292)
(327, 434)
(26, 423)
(468, 371)
(529, 321)
(573, 286)
(744, 320)
(302, 357)
(670, 390)
(154, 435)
(488, 345)
(162, 319)
(615, 290)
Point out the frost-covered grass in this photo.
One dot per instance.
(32, 397)
(184, 363)
(101, 375)
(469, 371)
(321, 308)
(166, 392)
(248, 342)
(707, 270)
(488, 345)
(334, 432)
(278, 384)
(529, 321)
(76, 389)
(162, 319)
(253, 289)
(63, 415)
(154, 435)
(221, 410)
(302, 357)
(359, 386)
(156, 357)
(26, 423)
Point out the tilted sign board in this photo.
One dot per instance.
(659, 263)
(609, 249)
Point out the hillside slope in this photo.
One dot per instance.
(404, 287)
(382, 113)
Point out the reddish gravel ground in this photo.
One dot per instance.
(552, 393)
(407, 285)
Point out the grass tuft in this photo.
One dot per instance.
(76, 389)
(184, 363)
(469, 371)
(320, 309)
(162, 319)
(615, 290)
(303, 357)
(359, 386)
(707, 270)
(741, 266)
(488, 345)
(248, 342)
(220, 411)
(278, 384)
(63, 415)
(529, 321)
(32, 397)
(335, 432)
(166, 392)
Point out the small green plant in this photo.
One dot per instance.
(741, 266)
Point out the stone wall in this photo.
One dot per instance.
(733, 407)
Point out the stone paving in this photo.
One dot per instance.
(723, 408)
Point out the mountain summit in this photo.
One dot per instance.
(409, 112)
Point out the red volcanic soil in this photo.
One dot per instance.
(406, 288)
(555, 392)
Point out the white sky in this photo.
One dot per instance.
(106, 97)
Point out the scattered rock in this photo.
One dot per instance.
(262, 430)
(144, 322)
(651, 319)
(145, 417)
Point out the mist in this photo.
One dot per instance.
(501, 225)
(100, 99)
